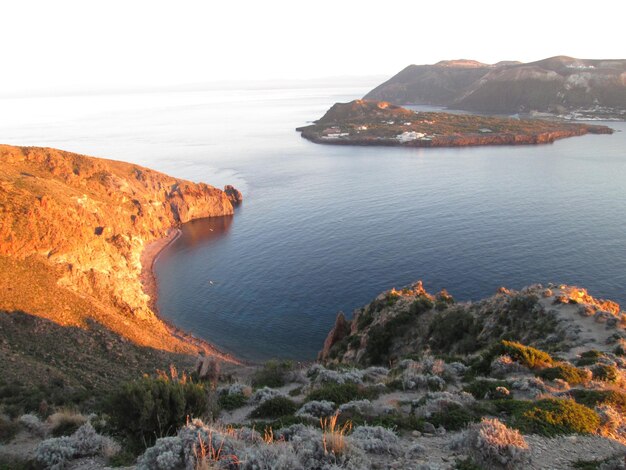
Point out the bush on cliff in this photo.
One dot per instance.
(550, 417)
(565, 371)
(149, 408)
(455, 328)
(526, 355)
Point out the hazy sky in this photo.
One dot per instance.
(46, 45)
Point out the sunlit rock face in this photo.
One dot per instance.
(85, 221)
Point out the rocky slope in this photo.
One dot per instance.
(72, 234)
(363, 122)
(399, 323)
(560, 85)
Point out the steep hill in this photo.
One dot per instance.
(72, 232)
(560, 85)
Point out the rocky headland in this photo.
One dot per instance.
(562, 86)
(363, 122)
(73, 232)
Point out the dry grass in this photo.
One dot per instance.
(333, 434)
(65, 420)
(208, 456)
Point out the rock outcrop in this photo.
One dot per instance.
(72, 234)
(401, 323)
(234, 195)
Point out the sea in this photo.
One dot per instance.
(327, 228)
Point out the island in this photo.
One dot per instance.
(365, 122)
(561, 86)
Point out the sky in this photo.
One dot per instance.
(91, 44)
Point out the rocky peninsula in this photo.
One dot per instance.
(73, 232)
(379, 123)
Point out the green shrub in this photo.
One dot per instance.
(342, 393)
(565, 371)
(521, 303)
(273, 374)
(526, 355)
(294, 392)
(605, 373)
(273, 408)
(467, 464)
(232, 401)
(550, 417)
(589, 357)
(420, 305)
(380, 337)
(482, 388)
(8, 429)
(592, 398)
(149, 408)
(454, 417)
(455, 330)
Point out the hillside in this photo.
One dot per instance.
(573, 88)
(71, 241)
(364, 122)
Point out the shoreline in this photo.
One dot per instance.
(149, 255)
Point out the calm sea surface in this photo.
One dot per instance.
(326, 228)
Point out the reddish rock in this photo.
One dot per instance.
(339, 332)
(234, 195)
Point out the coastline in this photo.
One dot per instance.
(149, 256)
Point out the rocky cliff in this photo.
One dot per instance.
(560, 85)
(72, 234)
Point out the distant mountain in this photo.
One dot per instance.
(559, 85)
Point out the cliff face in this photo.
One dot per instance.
(72, 233)
(558, 85)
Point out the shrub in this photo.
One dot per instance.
(455, 328)
(65, 422)
(8, 429)
(420, 305)
(551, 417)
(592, 398)
(605, 373)
(273, 374)
(232, 401)
(316, 409)
(454, 417)
(565, 371)
(495, 445)
(491, 444)
(376, 440)
(85, 442)
(148, 408)
(274, 408)
(528, 356)
(342, 393)
(589, 357)
(490, 389)
(380, 337)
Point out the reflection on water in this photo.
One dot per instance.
(202, 232)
